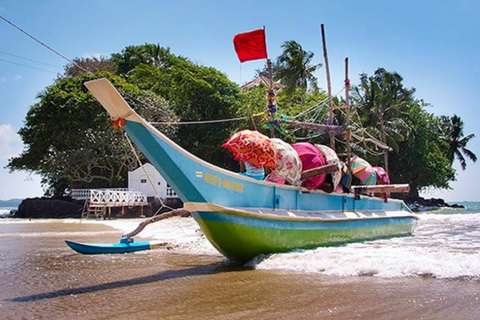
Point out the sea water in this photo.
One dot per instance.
(445, 244)
(433, 274)
(5, 211)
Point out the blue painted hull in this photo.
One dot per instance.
(108, 248)
(197, 181)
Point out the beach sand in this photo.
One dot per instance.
(44, 279)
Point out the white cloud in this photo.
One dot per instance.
(18, 184)
(10, 142)
(3, 80)
(18, 77)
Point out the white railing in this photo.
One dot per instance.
(110, 197)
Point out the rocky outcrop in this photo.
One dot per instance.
(422, 204)
(66, 207)
(34, 208)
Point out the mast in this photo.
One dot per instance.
(347, 102)
(329, 86)
(270, 99)
(270, 102)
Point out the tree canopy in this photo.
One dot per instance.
(69, 138)
(70, 142)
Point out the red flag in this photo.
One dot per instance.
(250, 45)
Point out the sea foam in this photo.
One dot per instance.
(442, 246)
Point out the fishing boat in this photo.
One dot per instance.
(243, 217)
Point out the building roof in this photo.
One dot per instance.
(261, 80)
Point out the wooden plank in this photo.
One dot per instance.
(392, 188)
(337, 130)
(320, 170)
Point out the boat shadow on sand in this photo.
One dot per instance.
(210, 269)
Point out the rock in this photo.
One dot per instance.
(421, 204)
(66, 207)
(49, 208)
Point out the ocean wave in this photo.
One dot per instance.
(442, 246)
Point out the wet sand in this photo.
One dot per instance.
(41, 278)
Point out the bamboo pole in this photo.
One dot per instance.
(335, 130)
(329, 86)
(144, 223)
(270, 76)
(384, 136)
(347, 86)
(374, 141)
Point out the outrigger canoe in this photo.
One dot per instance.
(243, 217)
(124, 246)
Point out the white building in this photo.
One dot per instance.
(138, 181)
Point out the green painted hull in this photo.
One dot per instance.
(242, 242)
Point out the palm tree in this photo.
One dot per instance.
(156, 55)
(294, 68)
(381, 101)
(452, 132)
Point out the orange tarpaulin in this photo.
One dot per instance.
(253, 147)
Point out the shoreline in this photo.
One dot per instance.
(64, 208)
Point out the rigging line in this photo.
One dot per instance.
(365, 132)
(146, 174)
(39, 62)
(206, 121)
(41, 43)
(186, 122)
(321, 103)
(24, 65)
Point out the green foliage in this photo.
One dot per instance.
(451, 131)
(69, 140)
(422, 161)
(295, 69)
(196, 93)
(70, 143)
(380, 107)
(80, 66)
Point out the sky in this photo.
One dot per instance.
(433, 45)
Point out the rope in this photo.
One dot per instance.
(320, 104)
(146, 174)
(203, 122)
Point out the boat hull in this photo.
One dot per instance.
(243, 217)
(241, 237)
(109, 248)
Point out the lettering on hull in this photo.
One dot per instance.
(223, 183)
